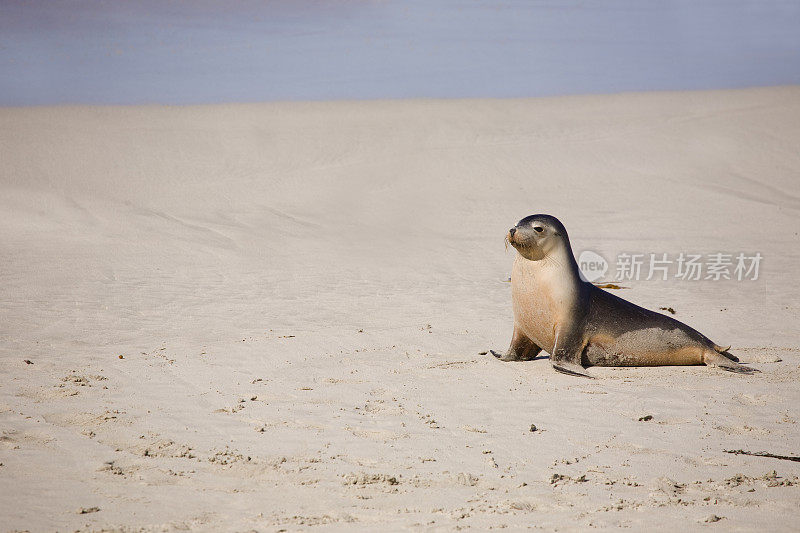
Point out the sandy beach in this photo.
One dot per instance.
(270, 317)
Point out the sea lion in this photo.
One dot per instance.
(582, 325)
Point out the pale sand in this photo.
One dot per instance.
(300, 293)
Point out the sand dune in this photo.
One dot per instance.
(269, 316)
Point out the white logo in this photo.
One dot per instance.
(593, 266)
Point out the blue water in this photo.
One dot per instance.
(181, 52)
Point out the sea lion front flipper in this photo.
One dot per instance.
(521, 348)
(571, 369)
(566, 357)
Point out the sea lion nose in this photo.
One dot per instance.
(512, 231)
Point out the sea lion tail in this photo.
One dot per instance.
(721, 349)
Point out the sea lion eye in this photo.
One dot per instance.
(538, 229)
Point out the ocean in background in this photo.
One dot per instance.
(189, 52)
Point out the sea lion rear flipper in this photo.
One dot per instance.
(721, 361)
(723, 350)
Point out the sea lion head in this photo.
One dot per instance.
(537, 236)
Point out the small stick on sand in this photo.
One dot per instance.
(763, 454)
